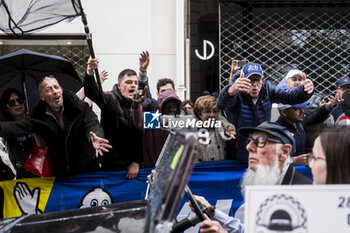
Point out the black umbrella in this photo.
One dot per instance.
(23, 68)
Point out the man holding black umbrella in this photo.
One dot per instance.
(69, 127)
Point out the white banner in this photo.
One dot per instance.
(297, 208)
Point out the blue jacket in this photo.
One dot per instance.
(298, 133)
(149, 103)
(337, 112)
(242, 112)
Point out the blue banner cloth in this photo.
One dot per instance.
(214, 180)
(218, 182)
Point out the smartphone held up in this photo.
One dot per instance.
(241, 63)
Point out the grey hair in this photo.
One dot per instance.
(40, 83)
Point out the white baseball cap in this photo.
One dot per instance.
(294, 72)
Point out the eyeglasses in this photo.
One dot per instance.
(255, 78)
(12, 103)
(313, 158)
(261, 141)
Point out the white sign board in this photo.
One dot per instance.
(297, 209)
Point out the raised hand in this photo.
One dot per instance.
(92, 64)
(103, 76)
(144, 60)
(234, 66)
(138, 97)
(234, 69)
(308, 86)
(334, 100)
(28, 201)
(100, 144)
(241, 84)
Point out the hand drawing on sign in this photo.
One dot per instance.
(282, 213)
(27, 201)
(96, 197)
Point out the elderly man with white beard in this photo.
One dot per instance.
(269, 146)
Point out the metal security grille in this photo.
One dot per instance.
(313, 37)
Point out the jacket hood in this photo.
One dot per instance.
(122, 99)
(166, 96)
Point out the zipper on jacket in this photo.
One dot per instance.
(256, 114)
(65, 146)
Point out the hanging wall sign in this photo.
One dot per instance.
(206, 44)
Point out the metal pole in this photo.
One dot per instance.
(89, 41)
(13, 223)
(26, 96)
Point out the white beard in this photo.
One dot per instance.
(264, 175)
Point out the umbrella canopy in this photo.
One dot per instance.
(24, 68)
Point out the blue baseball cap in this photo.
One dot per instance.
(285, 106)
(274, 129)
(343, 81)
(252, 68)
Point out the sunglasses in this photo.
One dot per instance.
(12, 103)
(261, 141)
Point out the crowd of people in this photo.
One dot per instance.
(78, 142)
(274, 147)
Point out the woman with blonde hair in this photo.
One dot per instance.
(205, 110)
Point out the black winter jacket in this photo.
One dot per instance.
(292, 176)
(118, 127)
(70, 149)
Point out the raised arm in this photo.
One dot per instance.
(224, 99)
(90, 87)
(136, 109)
(322, 113)
(234, 69)
(148, 104)
(144, 61)
(290, 96)
(81, 93)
